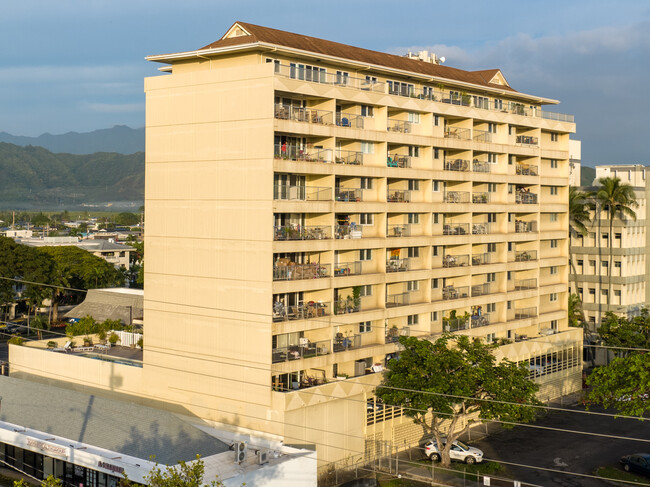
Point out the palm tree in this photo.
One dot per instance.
(617, 200)
(580, 202)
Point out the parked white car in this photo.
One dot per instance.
(459, 451)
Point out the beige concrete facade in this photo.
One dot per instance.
(631, 248)
(304, 211)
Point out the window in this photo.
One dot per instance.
(491, 217)
(553, 269)
(436, 153)
(412, 320)
(413, 117)
(491, 157)
(434, 283)
(397, 88)
(365, 326)
(491, 307)
(367, 110)
(414, 218)
(617, 236)
(492, 128)
(511, 246)
(414, 184)
(509, 305)
(436, 218)
(366, 183)
(553, 217)
(366, 218)
(511, 159)
(592, 291)
(367, 147)
(554, 137)
(434, 251)
(436, 186)
(434, 316)
(492, 187)
(604, 292)
(510, 131)
(371, 79)
(366, 290)
(592, 263)
(492, 247)
(306, 72)
(554, 324)
(491, 277)
(276, 63)
(491, 337)
(580, 262)
(436, 120)
(342, 77)
(481, 102)
(617, 293)
(414, 151)
(414, 252)
(553, 163)
(498, 104)
(509, 275)
(365, 254)
(509, 188)
(617, 264)
(427, 91)
(553, 190)
(554, 243)
(605, 236)
(413, 286)
(552, 297)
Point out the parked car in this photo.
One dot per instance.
(459, 451)
(639, 463)
(14, 328)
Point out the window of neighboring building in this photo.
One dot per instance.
(434, 250)
(436, 218)
(492, 247)
(552, 297)
(492, 128)
(617, 264)
(436, 153)
(365, 326)
(553, 269)
(553, 217)
(592, 291)
(554, 243)
(434, 316)
(553, 190)
(553, 163)
(491, 158)
(492, 187)
(436, 120)
(604, 292)
(491, 277)
(491, 337)
(436, 186)
(617, 293)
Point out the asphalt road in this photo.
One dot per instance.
(566, 451)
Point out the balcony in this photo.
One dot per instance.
(482, 136)
(523, 313)
(393, 334)
(348, 194)
(296, 153)
(526, 170)
(296, 272)
(347, 305)
(477, 321)
(286, 192)
(349, 120)
(398, 265)
(481, 228)
(398, 161)
(481, 259)
(456, 197)
(480, 289)
(349, 157)
(480, 198)
(300, 311)
(458, 165)
(348, 231)
(395, 300)
(452, 292)
(481, 166)
(299, 232)
(455, 261)
(455, 229)
(399, 126)
(323, 77)
(298, 114)
(347, 269)
(399, 230)
(525, 255)
(455, 324)
(342, 343)
(458, 133)
(526, 140)
(297, 352)
(524, 198)
(398, 196)
(523, 284)
(525, 227)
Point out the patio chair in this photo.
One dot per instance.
(65, 348)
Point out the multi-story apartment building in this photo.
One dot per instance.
(309, 202)
(629, 240)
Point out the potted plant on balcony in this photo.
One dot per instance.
(356, 296)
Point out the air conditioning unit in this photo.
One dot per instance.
(240, 451)
(262, 457)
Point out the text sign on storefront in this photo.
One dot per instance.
(48, 447)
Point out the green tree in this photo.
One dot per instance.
(453, 377)
(126, 218)
(617, 201)
(576, 315)
(186, 474)
(619, 331)
(580, 203)
(50, 481)
(39, 323)
(624, 385)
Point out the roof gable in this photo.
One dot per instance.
(236, 30)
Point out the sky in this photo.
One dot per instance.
(78, 65)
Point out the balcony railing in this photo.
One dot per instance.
(398, 196)
(296, 272)
(455, 324)
(349, 120)
(394, 333)
(526, 198)
(482, 136)
(348, 231)
(480, 198)
(451, 292)
(301, 193)
(481, 166)
(480, 289)
(398, 160)
(526, 140)
(522, 313)
(480, 320)
(300, 311)
(481, 228)
(296, 352)
(348, 194)
(394, 300)
(525, 255)
(527, 170)
(522, 284)
(455, 229)
(399, 230)
(299, 114)
(455, 260)
(299, 232)
(399, 126)
(525, 227)
(397, 265)
(347, 305)
(458, 133)
(350, 157)
(347, 269)
(460, 165)
(342, 343)
(323, 77)
(481, 259)
(456, 197)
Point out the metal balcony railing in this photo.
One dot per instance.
(478, 321)
(527, 140)
(397, 265)
(480, 198)
(526, 198)
(349, 157)
(399, 230)
(321, 76)
(398, 196)
(455, 229)
(458, 133)
(341, 342)
(349, 120)
(394, 300)
(348, 194)
(455, 324)
(452, 292)
(301, 311)
(347, 269)
(399, 126)
(481, 259)
(299, 232)
(393, 334)
(301, 193)
(480, 289)
(481, 228)
(481, 166)
(455, 260)
(296, 272)
(348, 231)
(347, 305)
(525, 255)
(299, 114)
(398, 160)
(482, 136)
(522, 313)
(523, 284)
(526, 170)
(525, 227)
(456, 197)
(295, 352)
(459, 165)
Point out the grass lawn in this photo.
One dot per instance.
(616, 473)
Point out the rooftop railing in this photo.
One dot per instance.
(458, 133)
(348, 194)
(400, 299)
(481, 228)
(398, 230)
(397, 265)
(455, 229)
(481, 197)
(526, 198)
(451, 292)
(299, 232)
(526, 140)
(523, 284)
(347, 269)
(398, 160)
(402, 126)
(527, 170)
(456, 197)
(299, 114)
(525, 255)
(460, 165)
(301, 193)
(300, 311)
(480, 289)
(398, 196)
(455, 260)
(349, 120)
